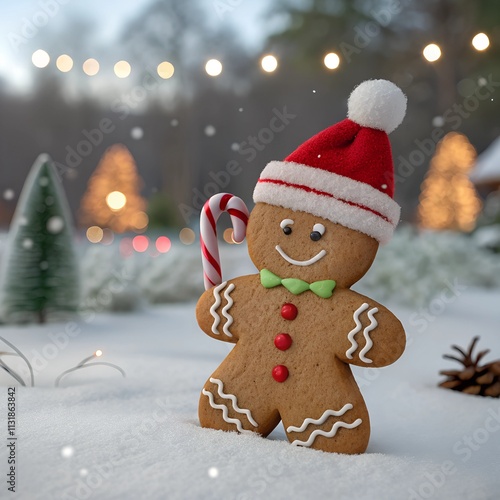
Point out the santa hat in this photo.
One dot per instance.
(345, 173)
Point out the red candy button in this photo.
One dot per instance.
(280, 373)
(283, 341)
(289, 312)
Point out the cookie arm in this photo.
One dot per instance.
(213, 312)
(374, 338)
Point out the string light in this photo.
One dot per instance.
(432, 52)
(40, 58)
(163, 244)
(95, 234)
(116, 200)
(269, 63)
(140, 243)
(165, 70)
(64, 63)
(481, 41)
(84, 363)
(331, 60)
(213, 67)
(122, 69)
(91, 67)
(187, 236)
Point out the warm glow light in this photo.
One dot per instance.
(116, 200)
(163, 244)
(432, 52)
(64, 63)
(91, 67)
(140, 220)
(228, 236)
(331, 60)
(122, 69)
(140, 243)
(481, 41)
(98, 353)
(95, 234)
(213, 67)
(165, 70)
(40, 58)
(187, 236)
(269, 63)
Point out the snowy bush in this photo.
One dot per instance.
(415, 267)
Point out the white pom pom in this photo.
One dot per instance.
(377, 104)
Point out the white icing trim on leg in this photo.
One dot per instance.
(354, 345)
(225, 310)
(369, 342)
(234, 401)
(320, 420)
(216, 304)
(329, 434)
(225, 415)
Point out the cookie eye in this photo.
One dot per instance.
(285, 225)
(317, 232)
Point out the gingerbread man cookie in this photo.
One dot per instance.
(297, 327)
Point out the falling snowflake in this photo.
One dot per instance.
(210, 130)
(174, 122)
(43, 181)
(213, 472)
(67, 451)
(137, 133)
(240, 110)
(8, 194)
(438, 121)
(235, 146)
(84, 472)
(55, 224)
(482, 82)
(27, 243)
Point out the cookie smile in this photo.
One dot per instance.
(308, 262)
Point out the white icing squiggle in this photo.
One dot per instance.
(225, 310)
(329, 434)
(217, 302)
(233, 399)
(354, 345)
(320, 420)
(369, 342)
(225, 415)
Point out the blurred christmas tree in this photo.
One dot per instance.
(40, 272)
(448, 199)
(112, 199)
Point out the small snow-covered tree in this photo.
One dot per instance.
(39, 270)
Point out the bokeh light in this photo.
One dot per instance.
(107, 237)
(331, 60)
(98, 353)
(187, 236)
(432, 52)
(228, 236)
(481, 41)
(140, 220)
(67, 451)
(95, 234)
(64, 63)
(91, 67)
(140, 243)
(213, 67)
(165, 70)
(40, 58)
(116, 200)
(163, 244)
(126, 248)
(269, 63)
(122, 69)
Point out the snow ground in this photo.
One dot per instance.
(139, 438)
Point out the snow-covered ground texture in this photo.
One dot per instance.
(104, 437)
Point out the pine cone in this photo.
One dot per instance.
(473, 379)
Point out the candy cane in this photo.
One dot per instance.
(212, 210)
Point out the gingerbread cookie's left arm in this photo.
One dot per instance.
(214, 311)
(371, 335)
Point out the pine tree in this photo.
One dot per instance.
(112, 199)
(39, 270)
(448, 199)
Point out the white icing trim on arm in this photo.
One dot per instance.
(354, 345)
(312, 260)
(369, 342)
(225, 310)
(216, 304)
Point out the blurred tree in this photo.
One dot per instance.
(40, 272)
(448, 199)
(113, 199)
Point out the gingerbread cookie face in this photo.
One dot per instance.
(292, 243)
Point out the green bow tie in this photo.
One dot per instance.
(323, 289)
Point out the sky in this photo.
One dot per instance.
(23, 25)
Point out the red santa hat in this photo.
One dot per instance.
(345, 173)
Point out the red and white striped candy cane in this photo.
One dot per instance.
(212, 210)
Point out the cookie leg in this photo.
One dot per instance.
(221, 409)
(334, 428)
